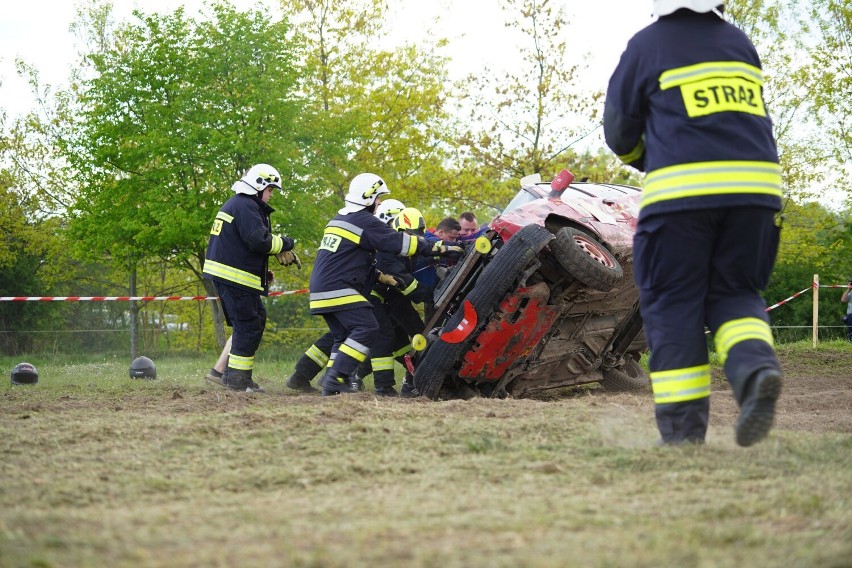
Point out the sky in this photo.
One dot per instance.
(37, 32)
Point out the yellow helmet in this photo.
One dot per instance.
(410, 219)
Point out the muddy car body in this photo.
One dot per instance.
(544, 300)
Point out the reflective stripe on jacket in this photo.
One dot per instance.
(685, 104)
(240, 244)
(344, 270)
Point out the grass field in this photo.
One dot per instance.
(101, 470)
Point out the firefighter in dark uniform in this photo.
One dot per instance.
(685, 104)
(316, 357)
(344, 274)
(393, 298)
(237, 262)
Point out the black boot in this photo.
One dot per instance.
(333, 382)
(386, 391)
(299, 382)
(240, 380)
(756, 397)
(408, 390)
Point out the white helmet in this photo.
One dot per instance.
(257, 179)
(363, 191)
(666, 7)
(388, 210)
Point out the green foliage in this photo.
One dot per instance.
(814, 240)
(374, 109)
(528, 120)
(831, 79)
(175, 112)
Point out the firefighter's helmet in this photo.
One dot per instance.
(24, 374)
(143, 368)
(666, 7)
(363, 191)
(410, 219)
(389, 209)
(256, 179)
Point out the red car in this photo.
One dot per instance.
(544, 300)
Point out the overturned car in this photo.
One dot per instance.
(545, 299)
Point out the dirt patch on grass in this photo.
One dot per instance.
(817, 397)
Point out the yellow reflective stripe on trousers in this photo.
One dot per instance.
(744, 329)
(382, 363)
(316, 355)
(354, 353)
(711, 178)
(240, 363)
(277, 244)
(232, 274)
(681, 385)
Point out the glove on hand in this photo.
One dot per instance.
(388, 279)
(450, 251)
(289, 257)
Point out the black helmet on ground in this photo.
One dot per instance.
(143, 368)
(24, 374)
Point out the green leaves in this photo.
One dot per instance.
(177, 109)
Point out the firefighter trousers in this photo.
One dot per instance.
(245, 313)
(355, 331)
(697, 269)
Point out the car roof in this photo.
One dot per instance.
(594, 190)
(602, 190)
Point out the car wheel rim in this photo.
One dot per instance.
(594, 250)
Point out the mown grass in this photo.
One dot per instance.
(101, 470)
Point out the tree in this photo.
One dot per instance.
(814, 240)
(379, 110)
(173, 113)
(528, 121)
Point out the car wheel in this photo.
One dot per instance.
(586, 259)
(631, 377)
(496, 279)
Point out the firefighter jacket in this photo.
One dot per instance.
(240, 244)
(401, 268)
(685, 104)
(344, 271)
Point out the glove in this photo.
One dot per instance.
(450, 251)
(289, 257)
(388, 279)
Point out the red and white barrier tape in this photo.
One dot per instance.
(782, 302)
(271, 294)
(124, 298)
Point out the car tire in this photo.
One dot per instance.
(492, 285)
(586, 259)
(631, 377)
